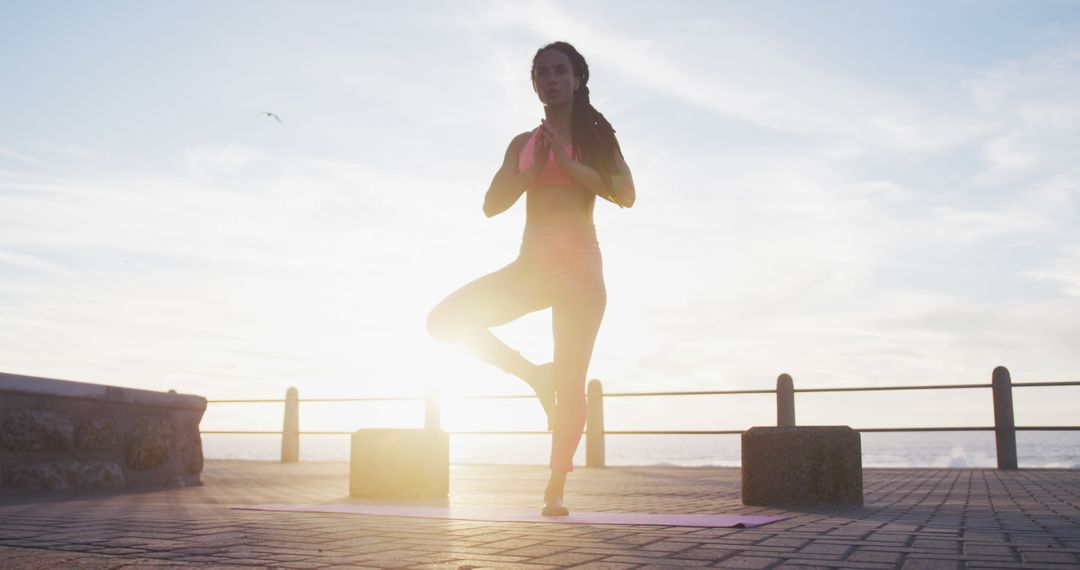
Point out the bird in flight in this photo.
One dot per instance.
(269, 114)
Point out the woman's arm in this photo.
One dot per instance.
(509, 184)
(621, 190)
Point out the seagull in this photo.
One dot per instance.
(269, 114)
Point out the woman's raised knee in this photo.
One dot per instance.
(441, 325)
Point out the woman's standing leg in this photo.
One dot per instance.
(575, 318)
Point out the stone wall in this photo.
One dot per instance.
(56, 434)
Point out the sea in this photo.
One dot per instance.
(1035, 449)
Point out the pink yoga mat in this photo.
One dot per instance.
(520, 515)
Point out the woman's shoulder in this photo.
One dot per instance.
(521, 139)
(516, 146)
(518, 143)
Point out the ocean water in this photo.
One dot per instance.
(1046, 449)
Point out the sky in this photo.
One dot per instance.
(854, 193)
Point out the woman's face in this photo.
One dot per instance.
(553, 78)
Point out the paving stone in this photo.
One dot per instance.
(1050, 557)
(500, 565)
(979, 549)
(931, 564)
(847, 564)
(668, 546)
(208, 559)
(615, 550)
(384, 564)
(890, 537)
(492, 558)
(784, 542)
(117, 551)
(566, 558)
(672, 564)
(281, 557)
(749, 562)
(77, 547)
(640, 560)
(824, 548)
(713, 554)
(511, 543)
(538, 550)
(932, 544)
(601, 565)
(874, 555)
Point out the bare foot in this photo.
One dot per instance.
(553, 496)
(543, 383)
(553, 507)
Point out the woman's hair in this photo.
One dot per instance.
(591, 134)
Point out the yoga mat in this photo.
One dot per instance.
(498, 514)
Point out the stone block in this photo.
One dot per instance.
(400, 463)
(151, 437)
(191, 451)
(90, 474)
(66, 475)
(98, 434)
(36, 430)
(803, 465)
(39, 476)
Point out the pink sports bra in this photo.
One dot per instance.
(552, 172)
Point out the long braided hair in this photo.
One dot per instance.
(592, 136)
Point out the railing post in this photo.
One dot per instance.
(1004, 423)
(290, 431)
(432, 415)
(594, 431)
(785, 401)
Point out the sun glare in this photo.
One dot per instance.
(463, 389)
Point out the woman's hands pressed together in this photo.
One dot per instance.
(551, 142)
(540, 152)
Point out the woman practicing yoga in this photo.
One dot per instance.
(562, 166)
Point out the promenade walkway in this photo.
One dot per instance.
(913, 519)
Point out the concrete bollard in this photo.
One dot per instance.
(594, 425)
(785, 401)
(432, 413)
(290, 431)
(1004, 423)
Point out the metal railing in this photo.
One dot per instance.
(1001, 386)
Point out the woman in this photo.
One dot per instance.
(562, 166)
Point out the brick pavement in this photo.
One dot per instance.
(913, 519)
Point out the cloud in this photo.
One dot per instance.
(1002, 154)
(32, 263)
(222, 159)
(1040, 88)
(1029, 183)
(10, 154)
(70, 150)
(1064, 270)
